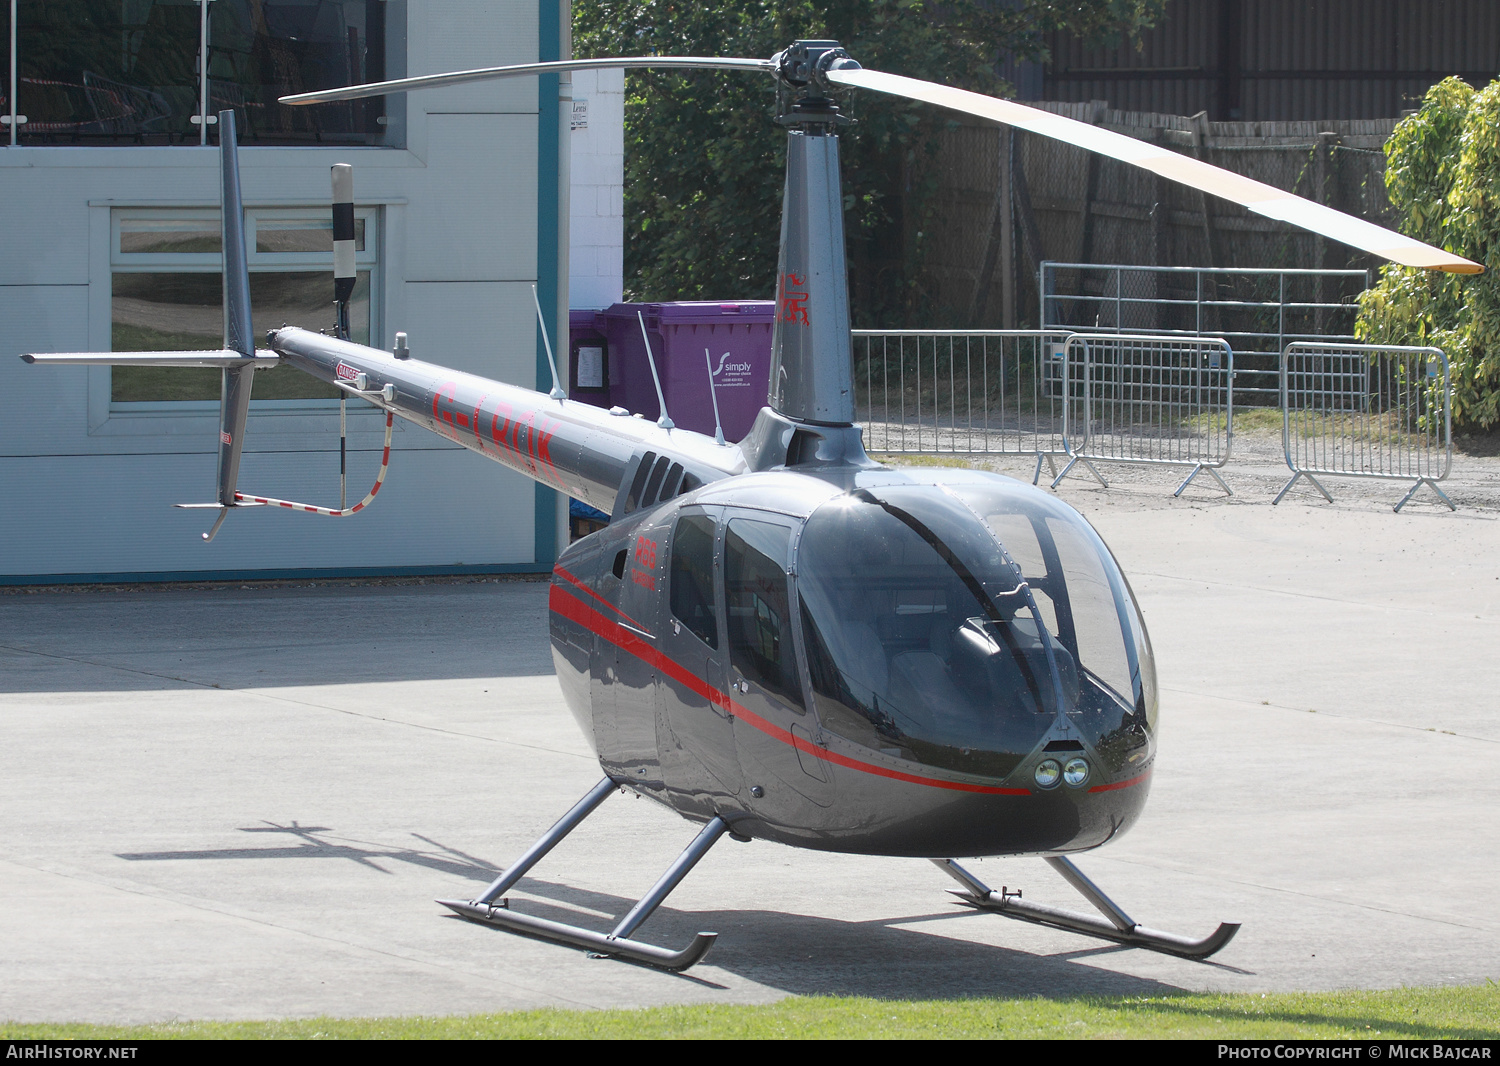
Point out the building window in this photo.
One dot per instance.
(166, 293)
(129, 71)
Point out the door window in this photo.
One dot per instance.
(755, 585)
(693, 602)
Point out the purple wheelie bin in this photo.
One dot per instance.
(607, 360)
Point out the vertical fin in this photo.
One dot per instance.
(234, 396)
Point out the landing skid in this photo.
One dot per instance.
(491, 908)
(1120, 927)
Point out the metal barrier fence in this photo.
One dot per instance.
(957, 392)
(1163, 401)
(1348, 410)
(1258, 310)
(1366, 410)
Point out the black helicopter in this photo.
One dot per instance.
(781, 638)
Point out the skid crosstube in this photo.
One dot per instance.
(1119, 927)
(491, 908)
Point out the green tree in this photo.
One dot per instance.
(1443, 175)
(704, 157)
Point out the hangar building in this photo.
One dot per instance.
(109, 223)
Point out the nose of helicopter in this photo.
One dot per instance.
(976, 640)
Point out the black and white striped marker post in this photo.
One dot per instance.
(343, 244)
(343, 288)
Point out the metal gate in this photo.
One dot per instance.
(1258, 311)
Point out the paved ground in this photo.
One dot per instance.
(241, 803)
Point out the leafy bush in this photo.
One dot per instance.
(1443, 175)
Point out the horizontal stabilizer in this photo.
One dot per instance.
(262, 359)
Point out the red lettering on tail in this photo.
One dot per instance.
(442, 413)
(543, 450)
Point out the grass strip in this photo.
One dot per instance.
(1395, 1014)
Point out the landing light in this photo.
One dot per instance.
(1076, 772)
(1047, 773)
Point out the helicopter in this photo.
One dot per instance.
(780, 638)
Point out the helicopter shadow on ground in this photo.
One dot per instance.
(312, 842)
(880, 958)
(883, 958)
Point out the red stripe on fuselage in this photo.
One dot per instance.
(572, 580)
(1136, 780)
(575, 610)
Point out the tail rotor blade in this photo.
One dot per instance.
(1262, 199)
(234, 402)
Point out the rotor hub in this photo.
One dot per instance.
(802, 69)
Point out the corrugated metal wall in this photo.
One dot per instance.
(1282, 60)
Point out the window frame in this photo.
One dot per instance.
(367, 259)
(715, 578)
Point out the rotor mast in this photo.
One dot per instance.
(812, 368)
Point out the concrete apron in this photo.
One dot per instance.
(241, 803)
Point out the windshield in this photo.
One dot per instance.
(923, 642)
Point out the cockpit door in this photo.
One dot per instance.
(764, 673)
(695, 737)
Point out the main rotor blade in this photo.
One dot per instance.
(461, 77)
(1263, 199)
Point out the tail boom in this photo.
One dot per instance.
(573, 447)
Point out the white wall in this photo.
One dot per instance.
(596, 274)
(88, 490)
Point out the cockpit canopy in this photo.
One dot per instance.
(953, 623)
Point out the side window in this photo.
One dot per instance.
(692, 579)
(760, 634)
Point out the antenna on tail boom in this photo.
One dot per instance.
(713, 393)
(557, 392)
